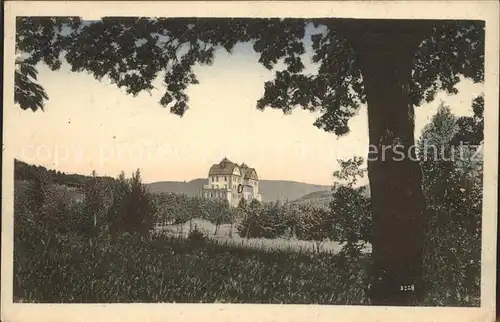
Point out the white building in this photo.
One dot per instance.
(230, 181)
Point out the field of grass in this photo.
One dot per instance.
(170, 269)
(224, 237)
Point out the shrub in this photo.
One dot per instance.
(196, 236)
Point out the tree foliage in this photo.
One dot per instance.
(471, 128)
(350, 206)
(96, 202)
(177, 209)
(37, 189)
(39, 40)
(133, 52)
(453, 182)
(138, 207)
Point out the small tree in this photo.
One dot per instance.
(37, 189)
(453, 189)
(239, 213)
(196, 236)
(316, 224)
(132, 209)
(97, 200)
(220, 214)
(248, 226)
(139, 208)
(120, 189)
(351, 209)
(292, 220)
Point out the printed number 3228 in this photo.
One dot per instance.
(407, 287)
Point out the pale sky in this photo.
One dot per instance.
(90, 125)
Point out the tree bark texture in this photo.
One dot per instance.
(385, 52)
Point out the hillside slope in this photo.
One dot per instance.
(325, 196)
(190, 188)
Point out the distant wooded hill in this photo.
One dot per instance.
(27, 172)
(271, 190)
(325, 196)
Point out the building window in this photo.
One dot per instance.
(225, 178)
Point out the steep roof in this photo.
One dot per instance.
(251, 174)
(225, 167)
(248, 173)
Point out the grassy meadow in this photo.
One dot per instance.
(227, 235)
(169, 269)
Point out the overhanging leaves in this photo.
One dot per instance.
(134, 51)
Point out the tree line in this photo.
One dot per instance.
(28, 172)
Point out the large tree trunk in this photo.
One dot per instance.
(385, 52)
